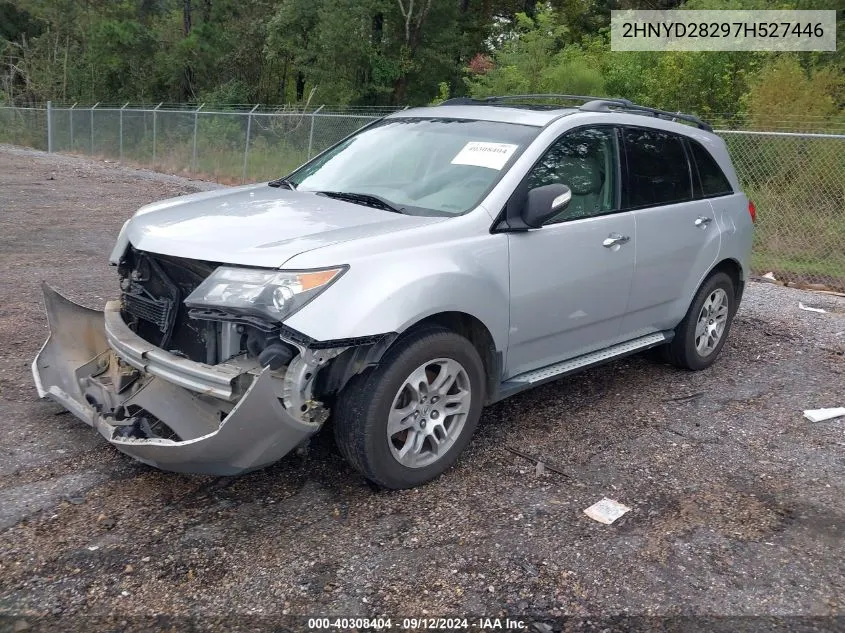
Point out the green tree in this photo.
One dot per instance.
(784, 94)
(291, 35)
(377, 52)
(520, 65)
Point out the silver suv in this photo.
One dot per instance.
(434, 262)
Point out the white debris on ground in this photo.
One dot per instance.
(820, 415)
(809, 309)
(606, 511)
(778, 307)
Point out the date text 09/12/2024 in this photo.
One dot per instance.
(417, 624)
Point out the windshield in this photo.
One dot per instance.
(419, 166)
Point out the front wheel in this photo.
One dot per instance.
(700, 336)
(406, 421)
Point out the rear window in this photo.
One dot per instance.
(658, 170)
(712, 179)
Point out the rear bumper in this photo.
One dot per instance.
(229, 418)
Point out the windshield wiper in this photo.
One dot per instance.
(366, 199)
(282, 182)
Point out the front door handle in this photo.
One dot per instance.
(613, 239)
(703, 221)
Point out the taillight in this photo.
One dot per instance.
(752, 211)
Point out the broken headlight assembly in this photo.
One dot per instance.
(272, 295)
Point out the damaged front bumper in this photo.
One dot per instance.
(226, 419)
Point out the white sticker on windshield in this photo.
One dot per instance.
(481, 154)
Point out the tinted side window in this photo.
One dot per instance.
(712, 178)
(658, 170)
(585, 161)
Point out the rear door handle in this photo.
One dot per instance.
(615, 238)
(703, 221)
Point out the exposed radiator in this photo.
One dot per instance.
(156, 311)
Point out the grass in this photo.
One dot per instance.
(798, 236)
(219, 164)
(798, 268)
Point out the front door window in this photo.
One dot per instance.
(585, 161)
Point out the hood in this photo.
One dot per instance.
(256, 225)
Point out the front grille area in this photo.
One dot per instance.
(157, 311)
(154, 288)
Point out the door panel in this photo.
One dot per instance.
(678, 232)
(569, 292)
(673, 253)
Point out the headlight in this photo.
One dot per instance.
(270, 294)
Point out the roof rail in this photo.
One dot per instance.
(604, 105)
(591, 104)
(532, 97)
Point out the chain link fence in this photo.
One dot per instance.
(796, 179)
(797, 182)
(235, 145)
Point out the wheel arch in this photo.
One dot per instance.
(734, 270)
(357, 359)
(474, 330)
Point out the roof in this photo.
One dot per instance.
(534, 109)
(504, 114)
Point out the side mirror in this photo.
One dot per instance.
(543, 203)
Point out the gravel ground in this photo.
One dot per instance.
(738, 503)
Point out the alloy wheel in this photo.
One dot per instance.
(429, 412)
(711, 323)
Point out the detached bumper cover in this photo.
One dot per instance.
(229, 418)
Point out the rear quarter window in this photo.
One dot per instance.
(712, 180)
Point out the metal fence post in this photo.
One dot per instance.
(49, 127)
(120, 131)
(246, 148)
(70, 125)
(194, 153)
(311, 133)
(92, 127)
(154, 132)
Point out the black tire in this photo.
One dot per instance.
(362, 408)
(682, 351)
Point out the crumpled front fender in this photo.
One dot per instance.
(80, 368)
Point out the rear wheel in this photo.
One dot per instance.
(406, 421)
(701, 335)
